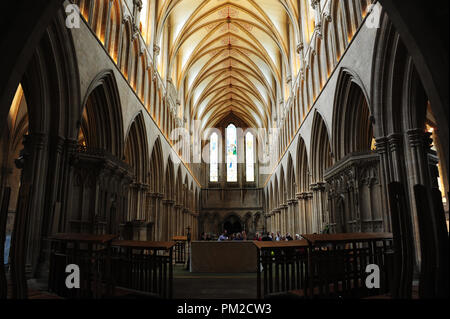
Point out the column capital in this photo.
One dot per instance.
(395, 141)
(156, 50)
(320, 186)
(314, 4)
(168, 202)
(418, 137)
(381, 144)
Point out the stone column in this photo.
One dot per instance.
(171, 219)
(320, 216)
(166, 222)
(273, 220)
(395, 148)
(136, 12)
(418, 173)
(293, 217)
(420, 144)
(309, 210)
(286, 219)
(108, 25)
(151, 213)
(317, 211)
(158, 216)
(177, 220)
(36, 146)
(185, 221)
(266, 221)
(277, 214)
(300, 213)
(382, 150)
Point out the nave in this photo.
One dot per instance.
(152, 123)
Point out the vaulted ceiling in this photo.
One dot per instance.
(228, 56)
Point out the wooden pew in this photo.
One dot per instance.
(144, 266)
(92, 253)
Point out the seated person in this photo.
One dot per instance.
(278, 237)
(223, 237)
(238, 237)
(266, 237)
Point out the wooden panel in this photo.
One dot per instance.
(223, 257)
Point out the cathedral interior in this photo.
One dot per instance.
(131, 130)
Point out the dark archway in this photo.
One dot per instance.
(232, 224)
(424, 31)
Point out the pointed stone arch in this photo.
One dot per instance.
(136, 156)
(321, 160)
(321, 155)
(352, 119)
(101, 124)
(157, 168)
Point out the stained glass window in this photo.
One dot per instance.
(214, 158)
(249, 157)
(231, 153)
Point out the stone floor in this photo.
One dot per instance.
(189, 285)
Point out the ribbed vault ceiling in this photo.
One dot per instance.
(228, 55)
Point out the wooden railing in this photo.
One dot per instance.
(144, 266)
(181, 247)
(283, 265)
(107, 266)
(92, 255)
(323, 266)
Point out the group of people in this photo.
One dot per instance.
(224, 236)
(278, 237)
(235, 236)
